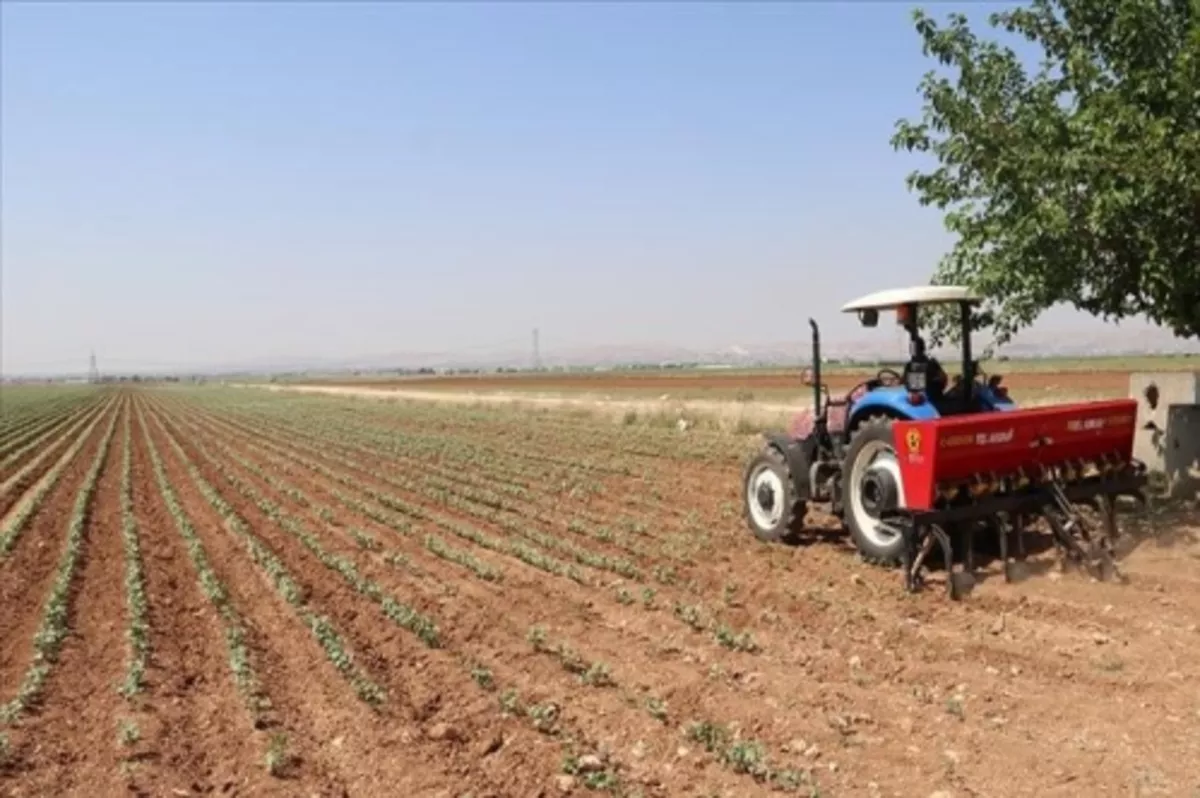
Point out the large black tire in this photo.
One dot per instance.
(878, 430)
(770, 461)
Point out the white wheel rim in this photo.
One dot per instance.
(765, 518)
(874, 455)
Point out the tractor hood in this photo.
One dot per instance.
(989, 453)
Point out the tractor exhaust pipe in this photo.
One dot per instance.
(816, 366)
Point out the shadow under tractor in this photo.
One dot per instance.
(911, 459)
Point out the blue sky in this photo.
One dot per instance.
(195, 183)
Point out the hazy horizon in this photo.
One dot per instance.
(195, 184)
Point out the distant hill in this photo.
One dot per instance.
(876, 345)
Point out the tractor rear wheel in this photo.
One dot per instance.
(769, 497)
(872, 485)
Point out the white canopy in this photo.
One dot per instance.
(920, 295)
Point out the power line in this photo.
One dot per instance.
(537, 352)
(93, 369)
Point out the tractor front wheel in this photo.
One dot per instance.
(871, 486)
(769, 497)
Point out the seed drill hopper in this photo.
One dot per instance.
(911, 459)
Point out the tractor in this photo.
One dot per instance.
(911, 458)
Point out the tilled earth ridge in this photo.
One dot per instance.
(604, 622)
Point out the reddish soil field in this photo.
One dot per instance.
(1081, 383)
(245, 593)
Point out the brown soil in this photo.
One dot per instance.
(1073, 381)
(488, 624)
(54, 447)
(426, 688)
(1055, 685)
(195, 730)
(827, 665)
(14, 460)
(76, 727)
(28, 569)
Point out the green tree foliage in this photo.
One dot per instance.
(1077, 182)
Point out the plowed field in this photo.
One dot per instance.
(1029, 386)
(1095, 382)
(239, 592)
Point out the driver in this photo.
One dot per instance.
(935, 376)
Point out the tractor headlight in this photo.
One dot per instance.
(915, 381)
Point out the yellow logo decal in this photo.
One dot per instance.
(913, 439)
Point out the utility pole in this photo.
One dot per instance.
(537, 352)
(93, 369)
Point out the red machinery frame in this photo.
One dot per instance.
(1015, 463)
(1003, 451)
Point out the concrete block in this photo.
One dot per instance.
(1174, 388)
(1182, 451)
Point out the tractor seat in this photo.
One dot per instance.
(838, 410)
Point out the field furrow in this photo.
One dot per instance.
(28, 569)
(197, 711)
(510, 458)
(17, 426)
(400, 497)
(425, 683)
(490, 625)
(21, 478)
(81, 734)
(722, 588)
(568, 499)
(495, 618)
(545, 500)
(283, 594)
(504, 525)
(340, 728)
(24, 499)
(58, 606)
(17, 449)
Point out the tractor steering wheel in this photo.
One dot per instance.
(890, 372)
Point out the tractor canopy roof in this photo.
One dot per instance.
(894, 298)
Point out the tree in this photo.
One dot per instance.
(1078, 182)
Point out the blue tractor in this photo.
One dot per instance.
(842, 452)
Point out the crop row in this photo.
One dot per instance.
(284, 459)
(277, 495)
(53, 629)
(138, 630)
(475, 489)
(688, 614)
(534, 431)
(34, 437)
(212, 459)
(401, 614)
(415, 512)
(24, 508)
(211, 586)
(44, 452)
(285, 584)
(22, 410)
(509, 469)
(284, 480)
